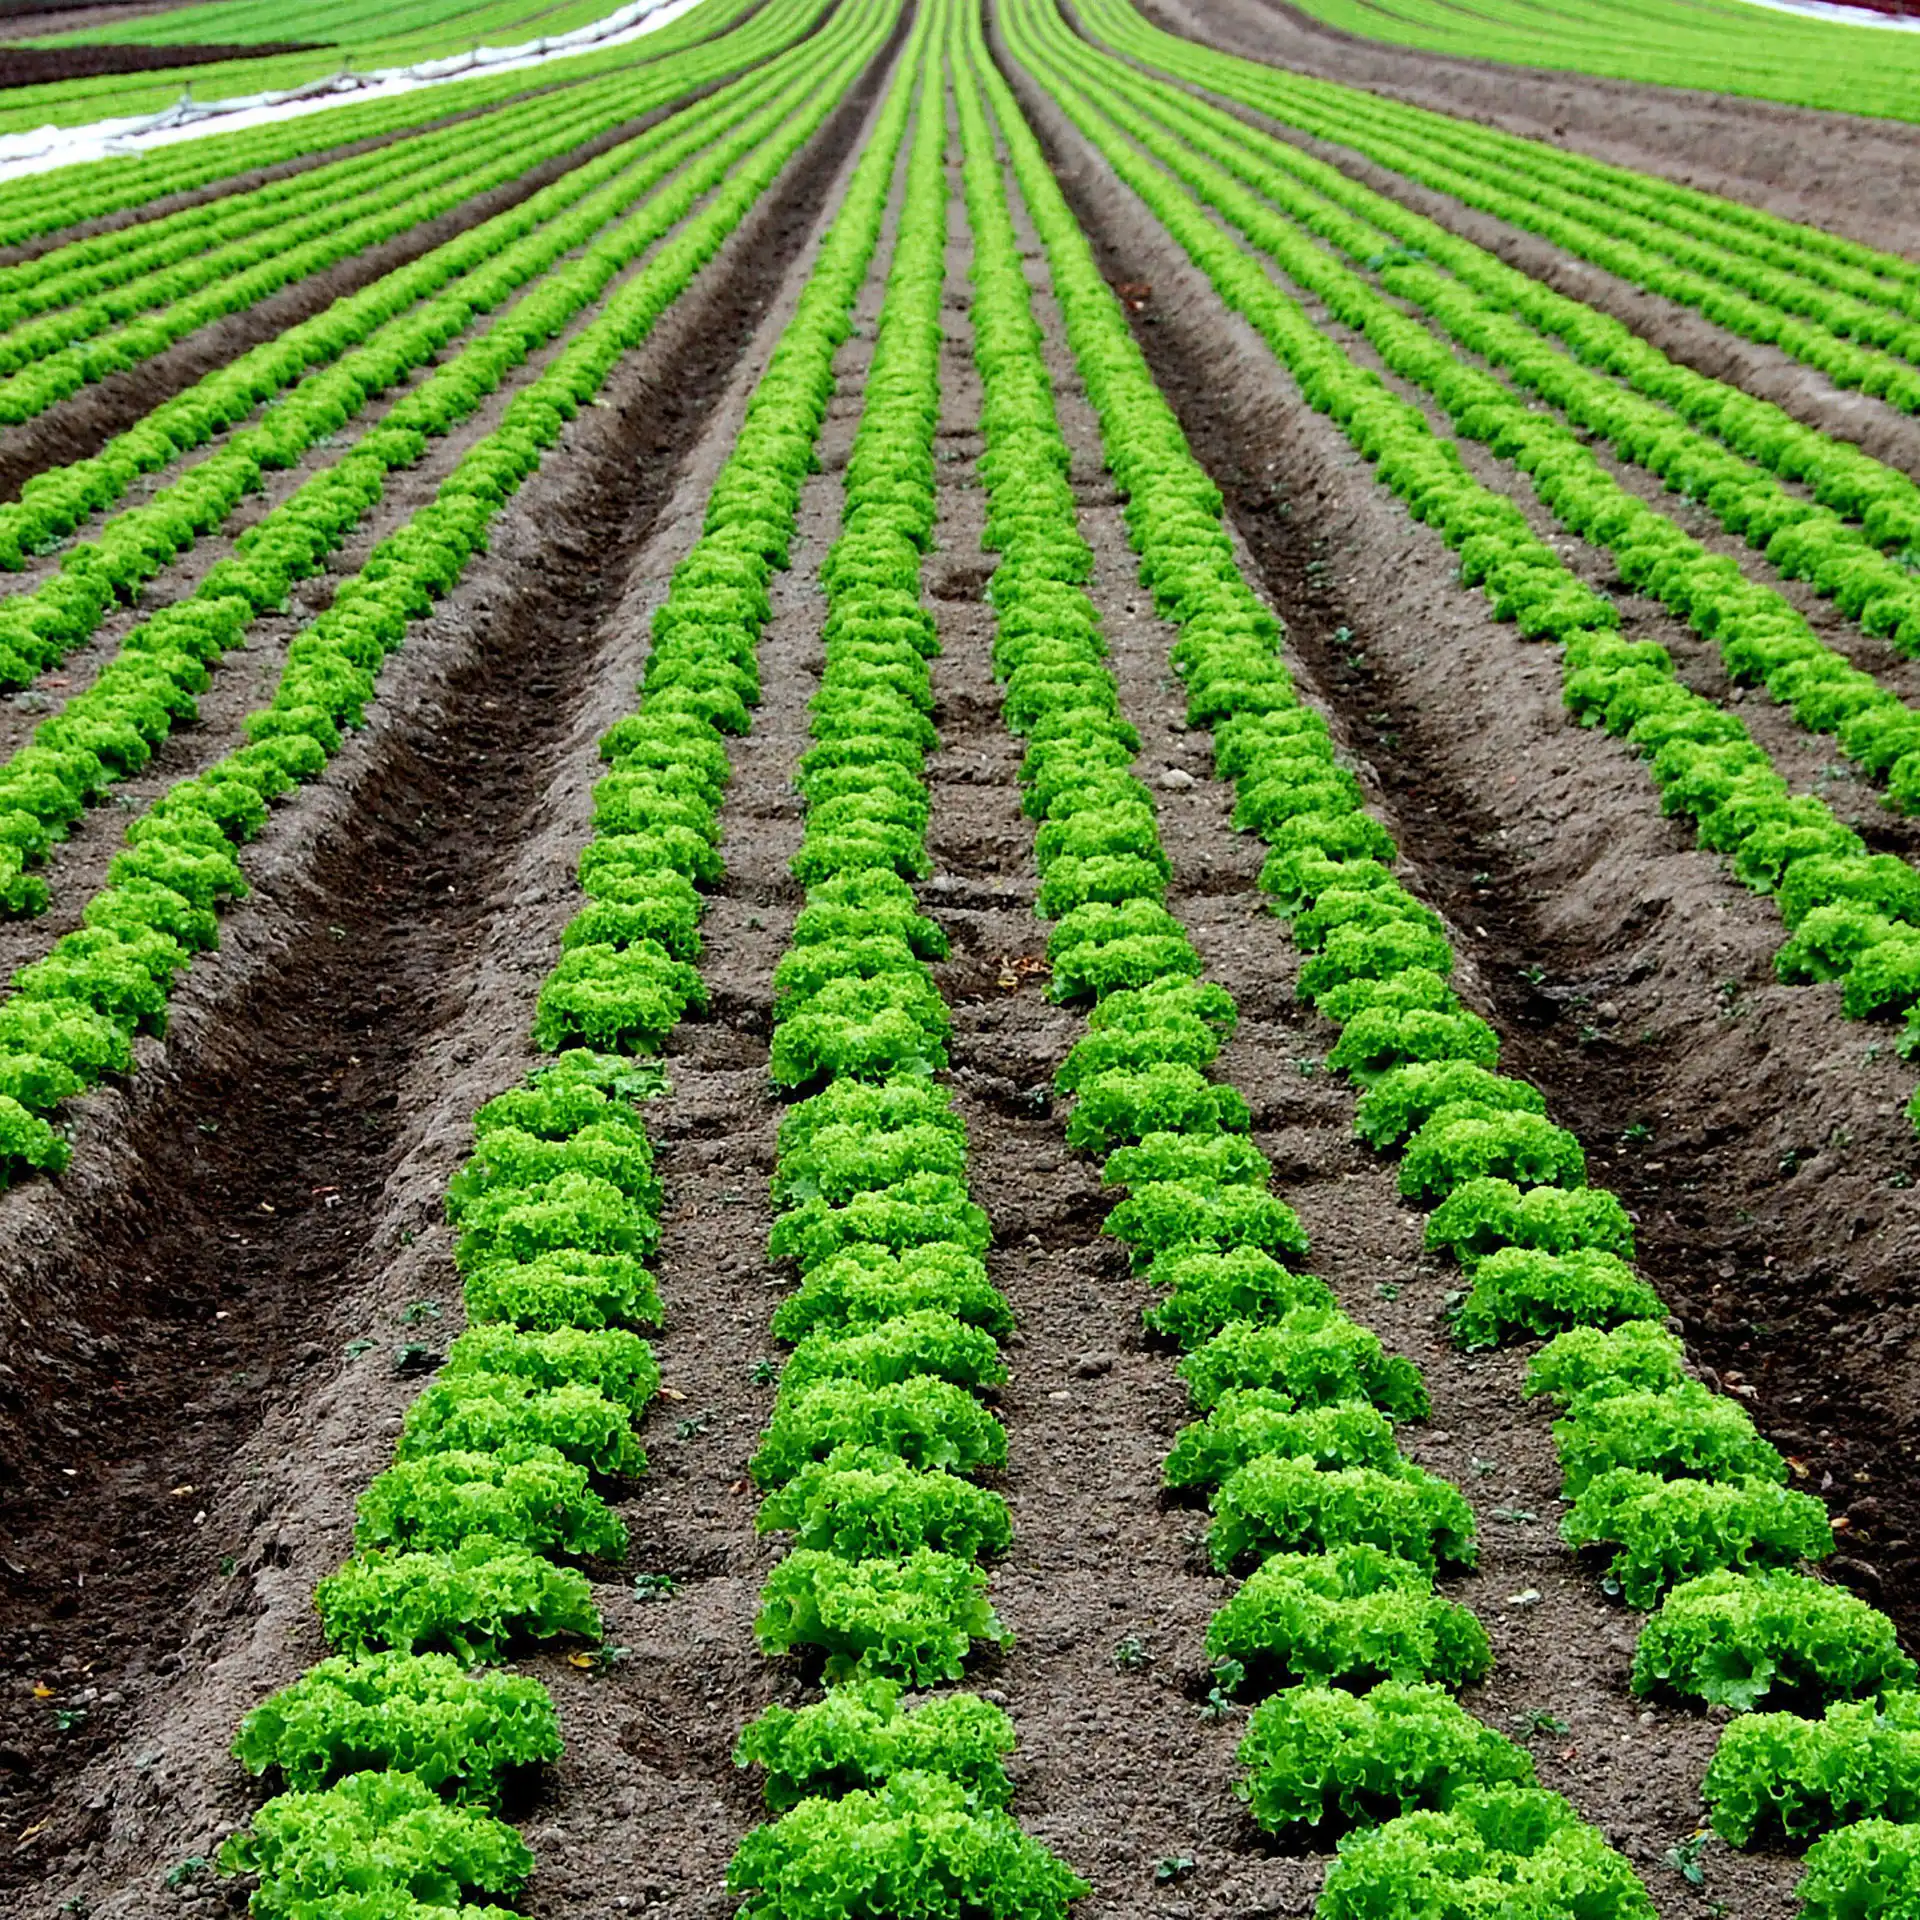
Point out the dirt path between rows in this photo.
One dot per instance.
(269, 1189)
(1847, 173)
(1095, 1558)
(46, 66)
(1629, 976)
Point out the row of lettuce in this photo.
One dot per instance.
(871, 1458)
(57, 500)
(1853, 915)
(36, 205)
(1761, 637)
(1861, 330)
(579, 244)
(73, 1016)
(1338, 1630)
(1670, 1481)
(393, 1758)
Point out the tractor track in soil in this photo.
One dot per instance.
(243, 1207)
(1774, 1201)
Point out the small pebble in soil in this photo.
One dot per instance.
(1090, 1366)
(1176, 779)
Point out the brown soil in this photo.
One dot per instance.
(1770, 1199)
(33, 19)
(269, 1187)
(1847, 173)
(43, 66)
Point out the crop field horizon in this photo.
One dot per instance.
(963, 963)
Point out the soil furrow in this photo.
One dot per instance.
(1774, 1198)
(270, 1185)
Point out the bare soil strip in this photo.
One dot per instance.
(42, 66)
(269, 1187)
(1848, 173)
(1630, 978)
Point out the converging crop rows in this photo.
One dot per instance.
(959, 965)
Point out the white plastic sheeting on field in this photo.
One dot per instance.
(1844, 15)
(48, 147)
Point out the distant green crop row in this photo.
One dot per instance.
(214, 155)
(360, 36)
(1722, 46)
(1850, 310)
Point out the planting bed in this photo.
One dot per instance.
(676, 834)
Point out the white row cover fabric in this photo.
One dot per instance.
(1846, 16)
(49, 147)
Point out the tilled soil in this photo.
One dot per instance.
(1848, 173)
(218, 1295)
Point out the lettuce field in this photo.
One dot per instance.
(963, 963)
